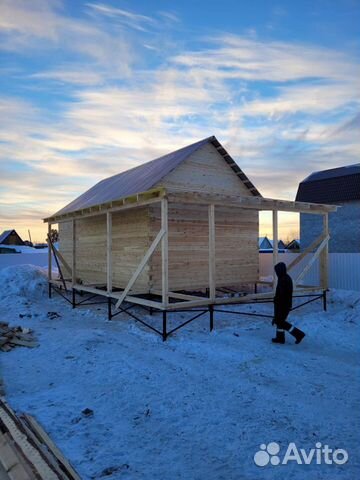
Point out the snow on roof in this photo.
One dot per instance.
(145, 176)
(5, 234)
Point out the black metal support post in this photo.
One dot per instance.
(255, 288)
(211, 314)
(109, 308)
(324, 301)
(164, 333)
(49, 286)
(73, 302)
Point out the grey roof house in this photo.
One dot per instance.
(339, 186)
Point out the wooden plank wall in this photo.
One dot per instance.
(205, 171)
(130, 240)
(65, 241)
(237, 257)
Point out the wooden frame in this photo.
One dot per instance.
(212, 253)
(275, 228)
(49, 252)
(184, 300)
(109, 252)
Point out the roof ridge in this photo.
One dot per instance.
(144, 176)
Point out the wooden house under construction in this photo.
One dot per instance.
(171, 233)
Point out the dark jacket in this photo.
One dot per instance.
(283, 294)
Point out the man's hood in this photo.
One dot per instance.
(280, 269)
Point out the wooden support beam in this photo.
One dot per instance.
(62, 259)
(307, 250)
(312, 260)
(109, 251)
(212, 257)
(140, 267)
(257, 203)
(134, 201)
(49, 253)
(324, 256)
(165, 252)
(144, 301)
(275, 228)
(180, 296)
(73, 252)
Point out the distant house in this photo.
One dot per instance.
(338, 186)
(281, 245)
(10, 237)
(266, 245)
(293, 245)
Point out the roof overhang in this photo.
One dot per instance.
(156, 195)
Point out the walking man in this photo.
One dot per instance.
(283, 305)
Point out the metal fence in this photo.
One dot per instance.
(344, 269)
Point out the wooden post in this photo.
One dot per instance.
(49, 254)
(324, 256)
(109, 252)
(73, 252)
(275, 243)
(165, 252)
(212, 266)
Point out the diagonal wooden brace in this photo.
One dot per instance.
(140, 267)
(312, 260)
(309, 249)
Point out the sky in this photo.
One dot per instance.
(89, 89)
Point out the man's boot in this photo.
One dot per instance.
(294, 331)
(280, 337)
(297, 334)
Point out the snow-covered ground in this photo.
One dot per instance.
(196, 407)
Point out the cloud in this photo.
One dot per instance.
(281, 109)
(171, 16)
(68, 74)
(42, 25)
(128, 18)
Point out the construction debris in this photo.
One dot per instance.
(11, 337)
(27, 452)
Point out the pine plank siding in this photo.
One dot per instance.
(205, 171)
(65, 241)
(130, 241)
(237, 258)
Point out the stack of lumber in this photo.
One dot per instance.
(11, 337)
(27, 452)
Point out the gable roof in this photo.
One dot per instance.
(333, 185)
(7, 233)
(293, 244)
(145, 176)
(4, 235)
(264, 242)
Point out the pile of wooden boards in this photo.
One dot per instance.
(27, 452)
(11, 337)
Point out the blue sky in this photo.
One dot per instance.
(88, 89)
